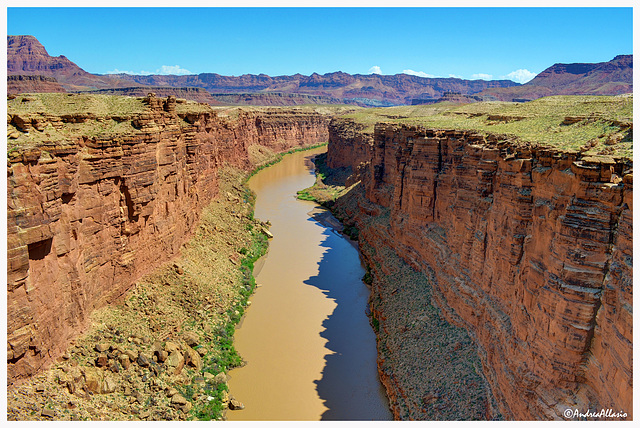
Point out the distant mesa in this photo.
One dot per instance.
(19, 83)
(452, 97)
(365, 90)
(26, 56)
(190, 93)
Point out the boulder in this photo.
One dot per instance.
(102, 360)
(175, 361)
(193, 358)
(235, 404)
(220, 378)
(132, 353)
(171, 347)
(178, 399)
(191, 339)
(162, 356)
(124, 361)
(144, 360)
(48, 413)
(102, 347)
(98, 381)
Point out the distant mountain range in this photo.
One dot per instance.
(27, 57)
(371, 89)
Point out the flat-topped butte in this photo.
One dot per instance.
(591, 125)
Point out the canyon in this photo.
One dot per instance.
(528, 248)
(88, 216)
(506, 261)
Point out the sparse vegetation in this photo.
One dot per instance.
(324, 191)
(596, 125)
(58, 119)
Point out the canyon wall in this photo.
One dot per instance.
(529, 249)
(86, 218)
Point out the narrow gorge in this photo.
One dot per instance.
(500, 271)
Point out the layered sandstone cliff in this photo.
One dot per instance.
(90, 214)
(529, 249)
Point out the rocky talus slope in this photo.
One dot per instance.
(90, 213)
(528, 248)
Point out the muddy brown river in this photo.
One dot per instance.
(309, 348)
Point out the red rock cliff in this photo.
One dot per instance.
(529, 249)
(87, 218)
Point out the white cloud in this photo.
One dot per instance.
(521, 76)
(172, 69)
(375, 70)
(482, 76)
(417, 73)
(165, 69)
(141, 73)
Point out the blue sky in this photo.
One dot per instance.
(490, 43)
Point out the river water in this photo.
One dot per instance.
(309, 348)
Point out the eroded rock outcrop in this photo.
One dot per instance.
(529, 249)
(88, 216)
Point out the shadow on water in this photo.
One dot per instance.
(349, 387)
